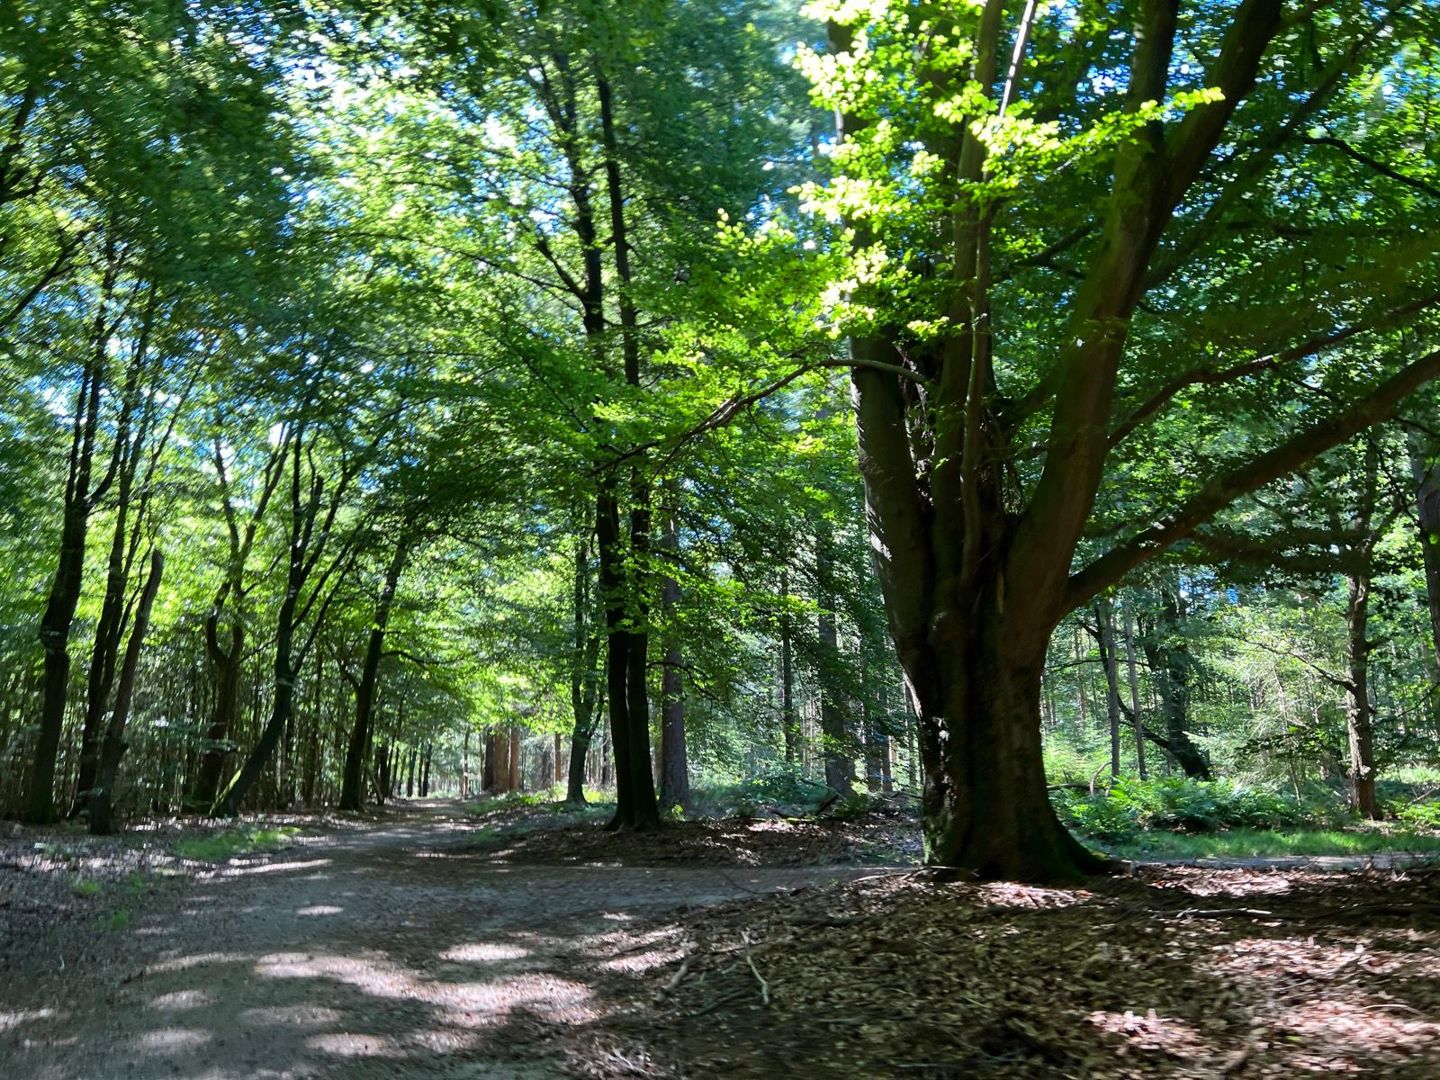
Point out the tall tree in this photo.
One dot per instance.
(985, 454)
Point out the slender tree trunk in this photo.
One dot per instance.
(113, 747)
(674, 764)
(1171, 672)
(514, 781)
(1359, 714)
(66, 583)
(410, 775)
(789, 721)
(465, 766)
(109, 631)
(352, 789)
(1134, 688)
(834, 729)
(1426, 474)
(1106, 626)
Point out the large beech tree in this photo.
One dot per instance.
(1084, 242)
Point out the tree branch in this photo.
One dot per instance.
(1289, 456)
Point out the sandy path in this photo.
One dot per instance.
(393, 950)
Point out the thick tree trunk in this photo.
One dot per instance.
(514, 781)
(986, 806)
(101, 803)
(488, 775)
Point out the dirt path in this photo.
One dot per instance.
(401, 948)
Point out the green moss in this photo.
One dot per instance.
(85, 887)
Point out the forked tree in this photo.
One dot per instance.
(1095, 251)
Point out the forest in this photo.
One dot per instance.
(968, 468)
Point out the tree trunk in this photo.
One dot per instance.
(986, 806)
(514, 781)
(789, 721)
(834, 728)
(674, 764)
(113, 746)
(1171, 671)
(352, 788)
(1134, 688)
(1426, 474)
(1105, 624)
(79, 501)
(465, 766)
(1358, 710)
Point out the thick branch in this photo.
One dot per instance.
(1224, 490)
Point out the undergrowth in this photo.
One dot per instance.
(1181, 818)
(244, 840)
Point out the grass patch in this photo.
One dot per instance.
(1267, 843)
(118, 919)
(85, 887)
(551, 798)
(242, 841)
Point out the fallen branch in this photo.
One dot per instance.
(764, 986)
(675, 980)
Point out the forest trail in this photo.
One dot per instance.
(402, 946)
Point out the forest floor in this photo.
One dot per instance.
(429, 940)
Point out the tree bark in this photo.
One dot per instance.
(1105, 623)
(789, 720)
(352, 789)
(65, 585)
(834, 726)
(1135, 719)
(1426, 473)
(113, 748)
(1359, 714)
(674, 763)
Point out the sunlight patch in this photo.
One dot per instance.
(347, 1045)
(185, 963)
(172, 1040)
(319, 909)
(10, 1020)
(637, 962)
(478, 952)
(181, 999)
(292, 1015)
